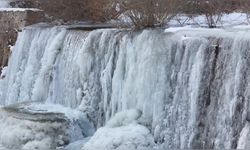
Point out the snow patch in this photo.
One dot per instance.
(226, 20)
(3, 72)
(11, 47)
(4, 4)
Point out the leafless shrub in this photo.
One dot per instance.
(140, 13)
(213, 10)
(145, 13)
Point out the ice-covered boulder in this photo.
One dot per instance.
(132, 136)
(121, 132)
(41, 126)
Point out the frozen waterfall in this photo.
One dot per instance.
(192, 87)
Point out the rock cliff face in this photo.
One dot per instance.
(13, 20)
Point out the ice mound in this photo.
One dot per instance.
(30, 126)
(124, 118)
(132, 136)
(121, 132)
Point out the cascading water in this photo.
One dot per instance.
(191, 87)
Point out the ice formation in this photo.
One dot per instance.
(190, 87)
(124, 118)
(38, 126)
(121, 132)
(132, 136)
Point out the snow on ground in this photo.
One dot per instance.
(246, 27)
(19, 9)
(232, 21)
(187, 32)
(226, 20)
(4, 4)
(176, 29)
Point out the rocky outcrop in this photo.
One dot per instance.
(73, 10)
(12, 21)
